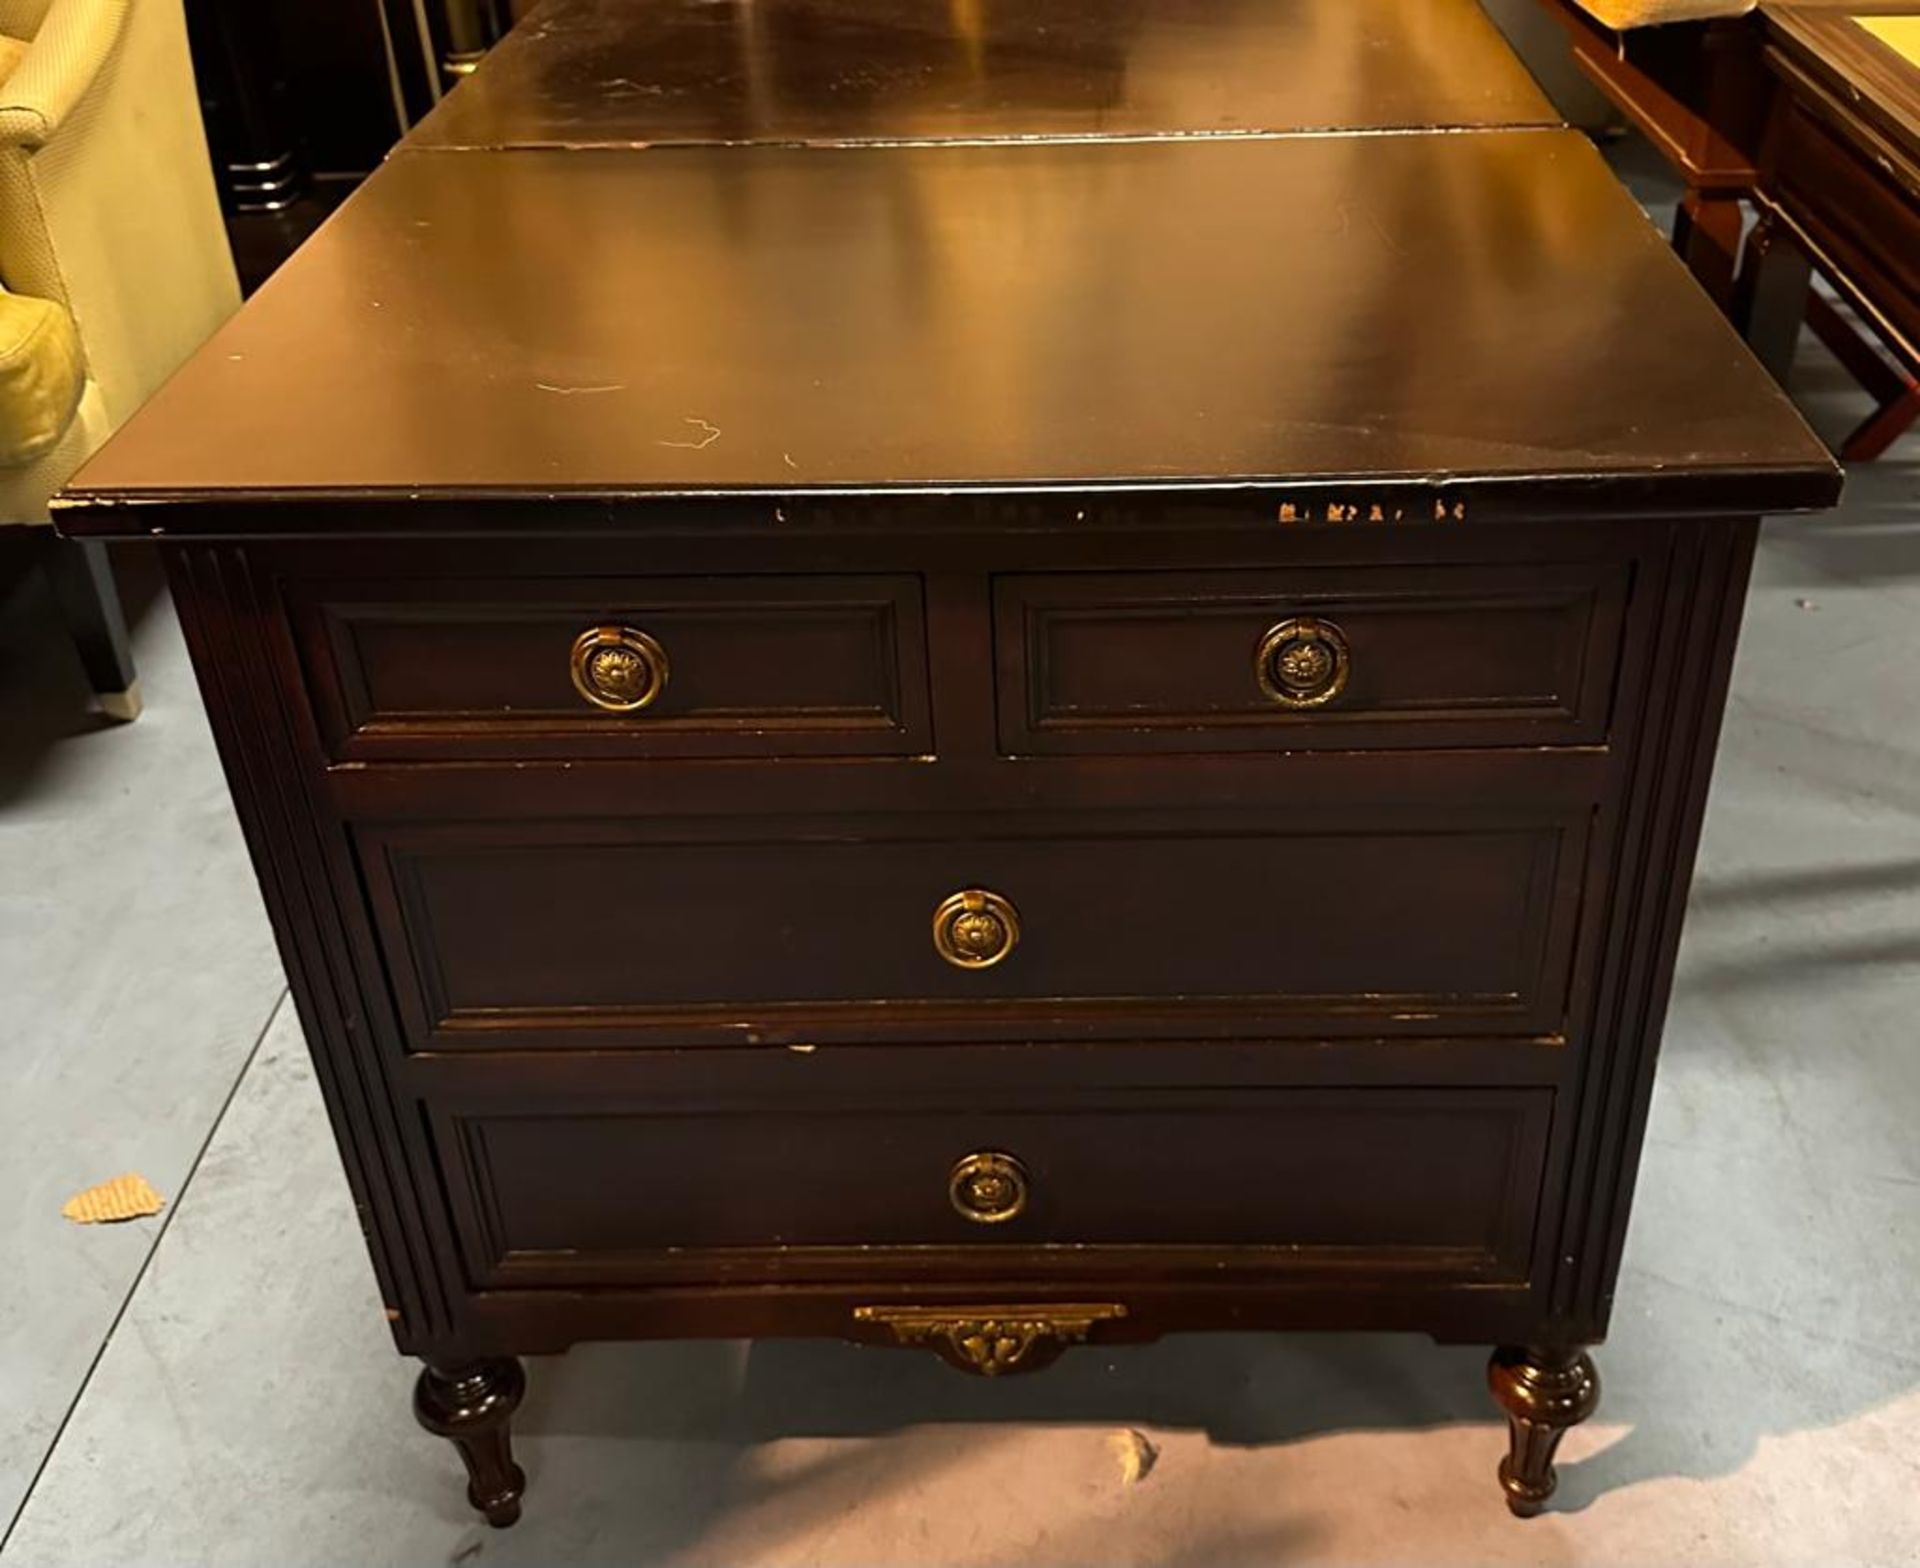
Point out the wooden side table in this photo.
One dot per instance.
(1811, 112)
(1838, 187)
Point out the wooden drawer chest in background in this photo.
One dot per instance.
(979, 746)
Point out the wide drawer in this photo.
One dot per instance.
(620, 666)
(1399, 656)
(1419, 919)
(1001, 1182)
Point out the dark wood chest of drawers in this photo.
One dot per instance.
(982, 746)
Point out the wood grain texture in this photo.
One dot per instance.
(1881, 86)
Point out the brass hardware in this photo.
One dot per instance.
(988, 1188)
(1303, 663)
(990, 1340)
(975, 929)
(618, 668)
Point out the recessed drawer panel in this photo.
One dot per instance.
(671, 666)
(1231, 925)
(1317, 657)
(789, 1187)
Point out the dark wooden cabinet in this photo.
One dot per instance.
(1019, 774)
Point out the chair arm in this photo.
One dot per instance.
(42, 377)
(76, 38)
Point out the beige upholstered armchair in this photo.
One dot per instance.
(113, 262)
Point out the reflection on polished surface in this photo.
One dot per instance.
(1125, 312)
(585, 72)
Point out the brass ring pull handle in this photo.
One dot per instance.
(618, 669)
(975, 929)
(1303, 663)
(988, 1188)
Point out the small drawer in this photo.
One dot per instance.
(668, 932)
(1350, 658)
(1000, 1180)
(638, 666)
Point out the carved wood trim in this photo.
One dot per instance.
(1668, 774)
(305, 882)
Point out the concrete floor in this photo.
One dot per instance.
(216, 1386)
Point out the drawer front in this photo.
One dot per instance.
(1001, 1182)
(1270, 660)
(1451, 922)
(692, 667)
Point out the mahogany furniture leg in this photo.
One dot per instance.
(1893, 387)
(472, 1406)
(81, 577)
(1882, 428)
(1771, 299)
(1544, 1391)
(1706, 233)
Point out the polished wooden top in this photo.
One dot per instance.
(1377, 309)
(592, 72)
(1865, 52)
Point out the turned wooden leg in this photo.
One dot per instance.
(1544, 1390)
(1891, 384)
(472, 1405)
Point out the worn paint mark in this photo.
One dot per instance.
(709, 433)
(1136, 1452)
(1364, 511)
